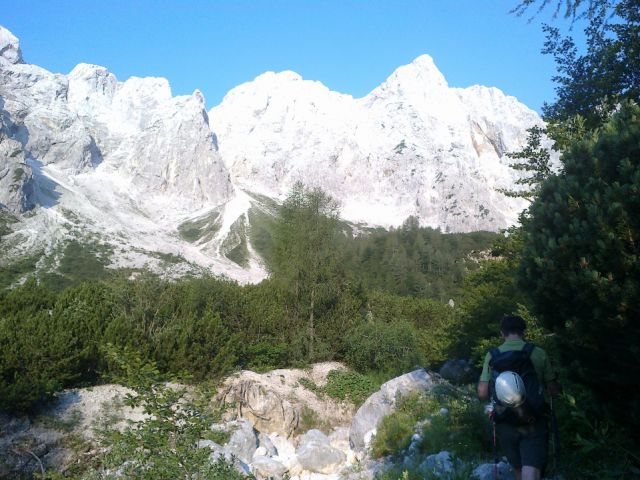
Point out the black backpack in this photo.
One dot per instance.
(535, 407)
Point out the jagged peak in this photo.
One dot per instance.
(88, 69)
(422, 70)
(10, 52)
(285, 75)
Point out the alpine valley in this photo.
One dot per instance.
(136, 178)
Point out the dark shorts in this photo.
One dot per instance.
(524, 446)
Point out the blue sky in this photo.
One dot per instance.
(349, 45)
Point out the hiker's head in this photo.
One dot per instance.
(512, 325)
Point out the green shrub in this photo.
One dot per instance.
(394, 434)
(462, 430)
(390, 348)
(344, 385)
(352, 386)
(163, 445)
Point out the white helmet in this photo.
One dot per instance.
(510, 389)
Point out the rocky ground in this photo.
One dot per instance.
(276, 426)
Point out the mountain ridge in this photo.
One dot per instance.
(87, 157)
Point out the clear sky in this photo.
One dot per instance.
(349, 45)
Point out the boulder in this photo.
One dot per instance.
(459, 372)
(382, 403)
(315, 453)
(339, 438)
(274, 401)
(285, 448)
(438, 465)
(265, 442)
(265, 467)
(486, 472)
(243, 442)
(264, 407)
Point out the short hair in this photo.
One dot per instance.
(513, 324)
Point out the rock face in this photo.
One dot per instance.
(315, 453)
(9, 48)
(77, 411)
(274, 401)
(413, 146)
(149, 174)
(243, 442)
(16, 179)
(382, 403)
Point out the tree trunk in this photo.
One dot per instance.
(311, 325)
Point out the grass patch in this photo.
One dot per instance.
(79, 262)
(18, 173)
(261, 227)
(13, 272)
(344, 385)
(266, 202)
(202, 228)
(235, 245)
(309, 419)
(461, 429)
(6, 219)
(169, 257)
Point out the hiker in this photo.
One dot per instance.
(521, 429)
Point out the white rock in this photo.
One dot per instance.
(243, 442)
(315, 453)
(382, 403)
(413, 146)
(486, 471)
(9, 48)
(438, 465)
(265, 467)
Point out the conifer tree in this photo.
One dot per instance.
(581, 259)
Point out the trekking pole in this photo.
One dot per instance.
(495, 443)
(556, 438)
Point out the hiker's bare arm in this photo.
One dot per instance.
(483, 390)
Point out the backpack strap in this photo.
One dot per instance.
(528, 348)
(494, 352)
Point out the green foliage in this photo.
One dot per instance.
(79, 262)
(18, 269)
(345, 385)
(463, 429)
(460, 471)
(164, 444)
(434, 323)
(6, 219)
(593, 85)
(234, 245)
(394, 433)
(580, 261)
(415, 261)
(306, 259)
(352, 386)
(535, 160)
(388, 348)
(38, 354)
(202, 228)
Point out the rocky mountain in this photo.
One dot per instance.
(413, 146)
(148, 180)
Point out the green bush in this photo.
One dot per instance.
(163, 445)
(345, 385)
(389, 348)
(462, 430)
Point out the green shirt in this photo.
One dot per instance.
(539, 359)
